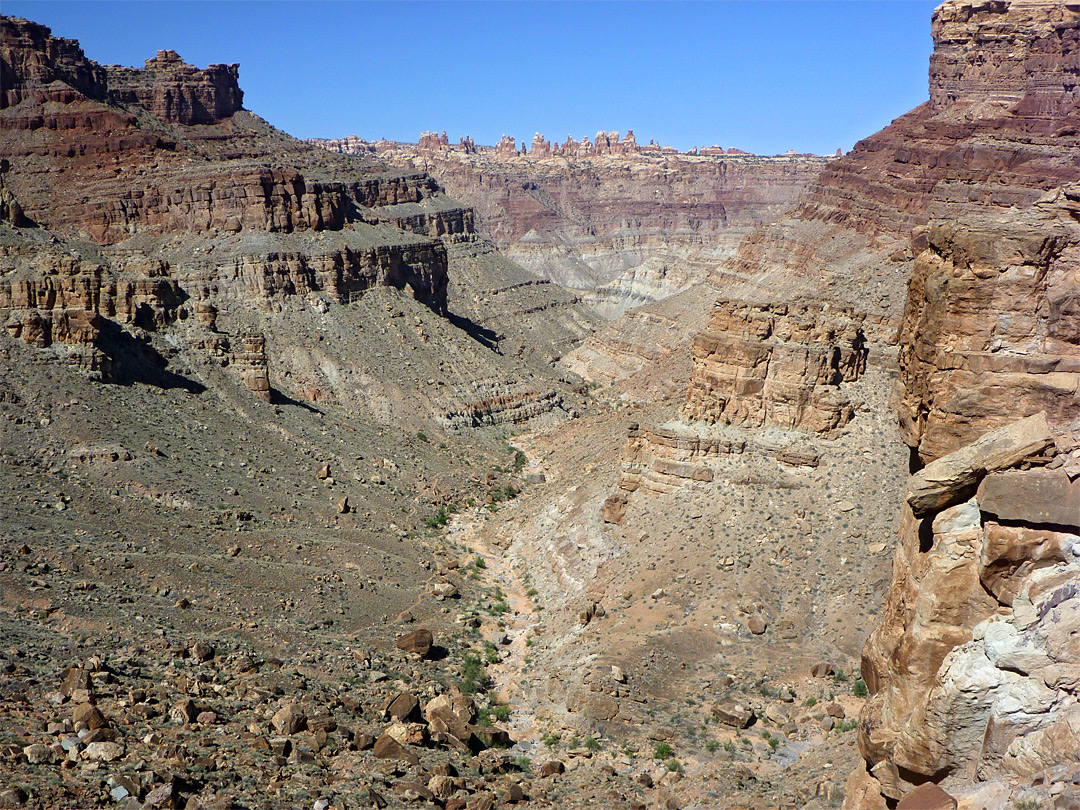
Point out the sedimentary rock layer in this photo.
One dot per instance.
(140, 201)
(973, 667)
(776, 364)
(999, 131)
(628, 224)
(991, 329)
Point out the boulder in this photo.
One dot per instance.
(403, 706)
(418, 642)
(734, 714)
(386, 747)
(290, 719)
(954, 478)
(88, 714)
(927, 796)
(1032, 496)
(822, 669)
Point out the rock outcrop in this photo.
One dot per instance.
(999, 131)
(992, 324)
(972, 669)
(624, 223)
(176, 92)
(48, 85)
(776, 364)
(973, 666)
(144, 206)
(664, 459)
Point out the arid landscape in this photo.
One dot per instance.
(350, 473)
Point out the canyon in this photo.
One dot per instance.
(619, 223)
(579, 475)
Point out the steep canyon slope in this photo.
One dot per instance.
(257, 399)
(241, 379)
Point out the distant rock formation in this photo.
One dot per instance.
(177, 92)
(167, 87)
(623, 222)
(63, 113)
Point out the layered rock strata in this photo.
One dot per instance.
(998, 132)
(972, 669)
(776, 364)
(623, 223)
(992, 324)
(661, 460)
(139, 202)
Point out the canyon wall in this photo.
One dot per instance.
(999, 131)
(624, 224)
(972, 669)
(145, 201)
(780, 364)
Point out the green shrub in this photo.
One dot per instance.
(592, 744)
(474, 677)
(550, 739)
(438, 520)
(859, 688)
(663, 750)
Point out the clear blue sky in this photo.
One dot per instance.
(761, 76)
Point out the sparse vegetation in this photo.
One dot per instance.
(474, 677)
(438, 520)
(662, 750)
(551, 739)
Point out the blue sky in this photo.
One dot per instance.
(761, 76)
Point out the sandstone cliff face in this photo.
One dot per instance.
(999, 130)
(166, 87)
(992, 324)
(973, 666)
(177, 92)
(776, 364)
(66, 114)
(972, 669)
